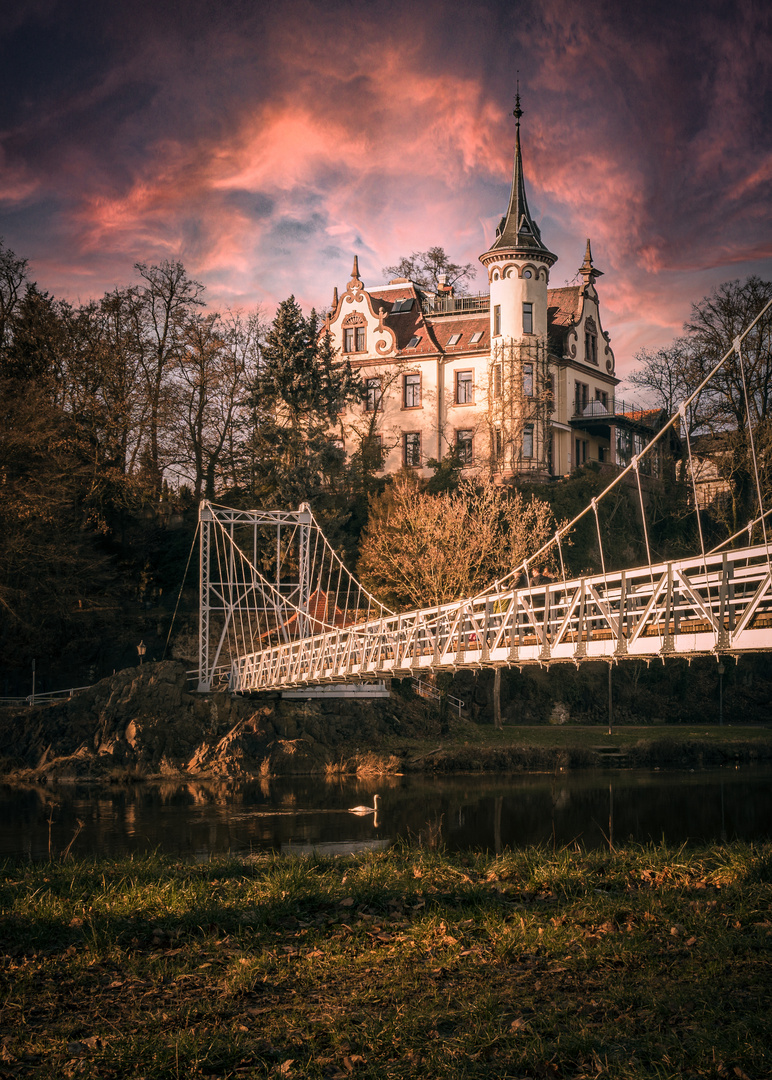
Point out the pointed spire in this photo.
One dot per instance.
(587, 270)
(335, 298)
(355, 269)
(517, 230)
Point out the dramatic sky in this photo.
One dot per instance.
(264, 142)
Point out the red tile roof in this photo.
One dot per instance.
(407, 324)
(564, 306)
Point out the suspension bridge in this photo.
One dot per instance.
(279, 610)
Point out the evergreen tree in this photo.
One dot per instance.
(297, 398)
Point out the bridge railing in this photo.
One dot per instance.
(718, 604)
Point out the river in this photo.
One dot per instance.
(199, 820)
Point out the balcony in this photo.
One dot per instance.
(455, 305)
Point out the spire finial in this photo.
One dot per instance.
(587, 270)
(517, 112)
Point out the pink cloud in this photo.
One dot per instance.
(268, 149)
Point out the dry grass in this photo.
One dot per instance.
(648, 962)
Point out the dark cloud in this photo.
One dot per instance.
(241, 136)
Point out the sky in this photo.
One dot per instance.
(263, 144)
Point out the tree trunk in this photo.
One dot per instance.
(497, 699)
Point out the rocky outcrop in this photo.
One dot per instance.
(145, 722)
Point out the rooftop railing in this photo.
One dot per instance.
(455, 305)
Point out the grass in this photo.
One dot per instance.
(590, 737)
(644, 962)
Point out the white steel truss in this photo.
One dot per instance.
(718, 605)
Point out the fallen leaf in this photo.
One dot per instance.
(348, 902)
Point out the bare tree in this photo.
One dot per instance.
(212, 373)
(13, 279)
(426, 268)
(164, 306)
(420, 549)
(736, 402)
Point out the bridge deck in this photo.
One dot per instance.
(718, 605)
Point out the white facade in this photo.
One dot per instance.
(520, 380)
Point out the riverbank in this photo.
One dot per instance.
(635, 963)
(143, 723)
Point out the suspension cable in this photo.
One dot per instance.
(692, 472)
(738, 350)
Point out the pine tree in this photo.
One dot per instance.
(297, 399)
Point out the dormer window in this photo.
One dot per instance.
(476, 337)
(402, 305)
(413, 341)
(454, 339)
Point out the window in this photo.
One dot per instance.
(527, 318)
(411, 447)
(454, 339)
(527, 274)
(497, 380)
(413, 341)
(373, 394)
(528, 380)
(476, 337)
(581, 397)
(498, 444)
(581, 452)
(464, 447)
(602, 397)
(354, 339)
(402, 305)
(411, 391)
(497, 319)
(624, 447)
(528, 441)
(464, 388)
(591, 348)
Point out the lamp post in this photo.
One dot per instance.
(141, 649)
(721, 670)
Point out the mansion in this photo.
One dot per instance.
(519, 381)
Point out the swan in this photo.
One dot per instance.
(366, 809)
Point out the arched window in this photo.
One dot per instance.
(354, 334)
(591, 341)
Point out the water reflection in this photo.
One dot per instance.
(195, 819)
